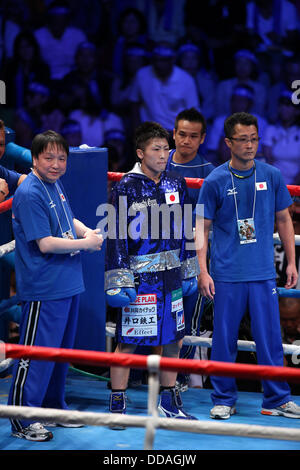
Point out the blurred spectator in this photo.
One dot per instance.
(58, 41)
(162, 89)
(135, 57)
(190, 60)
(115, 141)
(272, 70)
(273, 23)
(220, 25)
(244, 74)
(127, 27)
(290, 325)
(280, 258)
(281, 142)
(165, 20)
(94, 120)
(296, 4)
(26, 66)
(71, 131)
(28, 119)
(13, 16)
(291, 72)
(290, 319)
(113, 165)
(53, 117)
(87, 16)
(9, 31)
(115, 138)
(241, 101)
(132, 30)
(88, 71)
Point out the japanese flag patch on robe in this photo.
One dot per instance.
(172, 198)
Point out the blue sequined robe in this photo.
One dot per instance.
(148, 251)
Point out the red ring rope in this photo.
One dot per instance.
(77, 356)
(6, 205)
(197, 182)
(191, 183)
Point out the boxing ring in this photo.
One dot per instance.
(149, 421)
(145, 430)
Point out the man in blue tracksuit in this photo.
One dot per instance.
(189, 134)
(243, 198)
(49, 279)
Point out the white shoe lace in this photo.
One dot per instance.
(290, 405)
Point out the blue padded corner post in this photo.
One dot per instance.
(85, 183)
(15, 154)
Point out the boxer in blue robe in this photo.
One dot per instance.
(149, 266)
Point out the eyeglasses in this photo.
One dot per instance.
(244, 140)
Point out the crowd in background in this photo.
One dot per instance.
(93, 70)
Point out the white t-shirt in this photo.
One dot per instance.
(288, 20)
(216, 132)
(225, 90)
(162, 101)
(59, 54)
(285, 145)
(93, 129)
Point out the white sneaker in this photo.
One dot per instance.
(34, 432)
(289, 410)
(222, 412)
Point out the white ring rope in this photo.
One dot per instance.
(5, 364)
(207, 342)
(152, 422)
(10, 246)
(111, 419)
(7, 248)
(242, 344)
(277, 241)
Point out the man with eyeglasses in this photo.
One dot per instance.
(242, 272)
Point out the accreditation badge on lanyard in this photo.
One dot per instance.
(246, 227)
(68, 233)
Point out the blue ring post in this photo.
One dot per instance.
(85, 183)
(282, 292)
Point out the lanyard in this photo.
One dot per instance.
(234, 194)
(52, 205)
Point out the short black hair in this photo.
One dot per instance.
(191, 115)
(149, 130)
(245, 119)
(41, 141)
